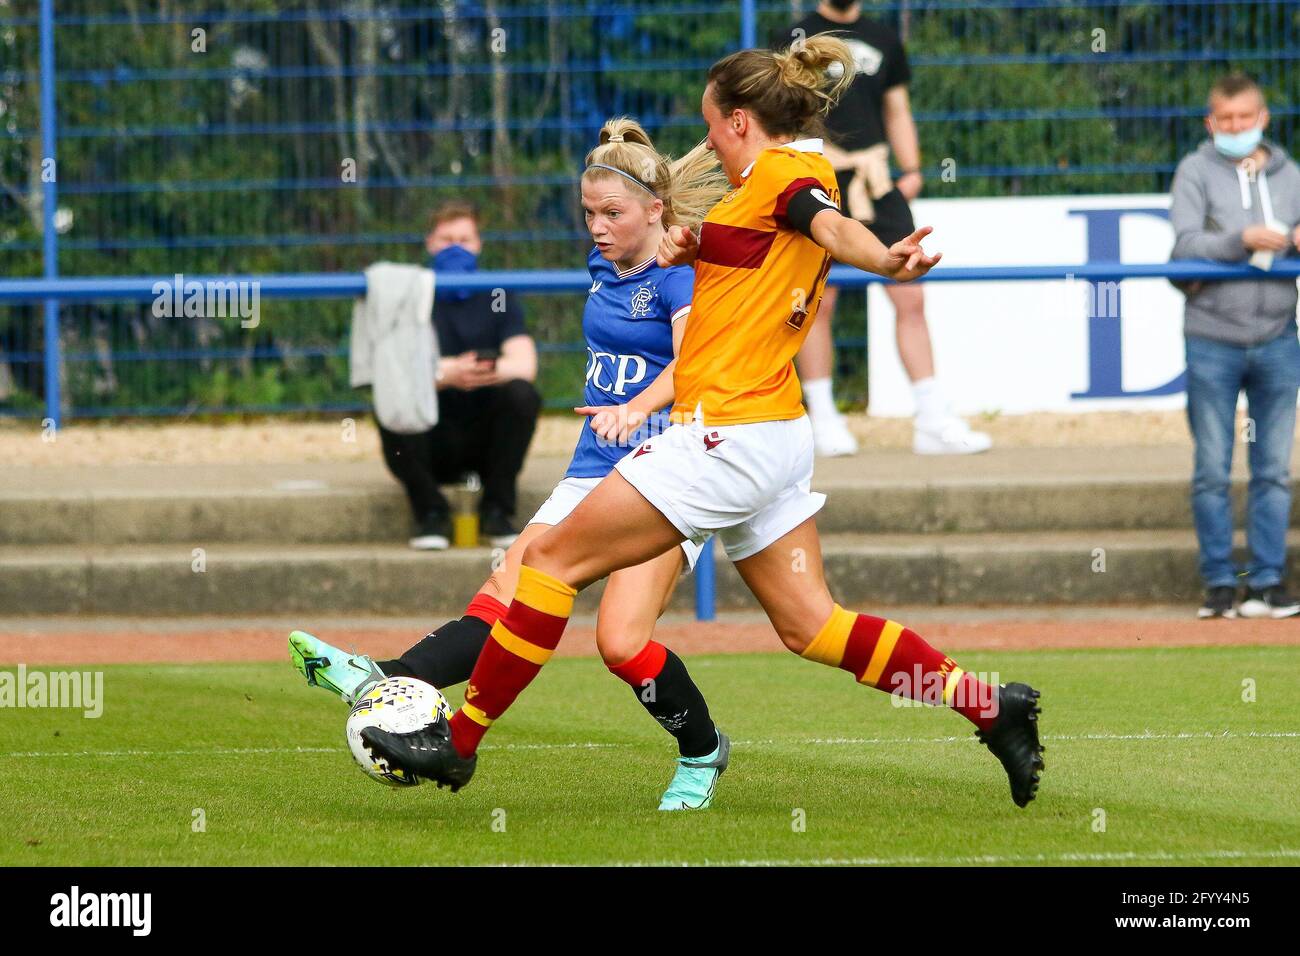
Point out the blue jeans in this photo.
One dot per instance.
(1216, 374)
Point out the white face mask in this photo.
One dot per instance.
(1238, 145)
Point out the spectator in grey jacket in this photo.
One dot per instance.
(1237, 198)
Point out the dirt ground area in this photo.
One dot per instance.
(354, 438)
(192, 640)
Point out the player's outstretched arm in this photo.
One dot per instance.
(850, 242)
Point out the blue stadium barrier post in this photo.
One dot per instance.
(49, 205)
(748, 25)
(704, 583)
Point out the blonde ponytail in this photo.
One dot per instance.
(808, 65)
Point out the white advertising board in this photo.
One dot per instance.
(1027, 346)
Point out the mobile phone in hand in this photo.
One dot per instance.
(487, 355)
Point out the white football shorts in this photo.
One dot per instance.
(565, 498)
(749, 484)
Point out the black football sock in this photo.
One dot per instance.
(444, 657)
(395, 668)
(664, 687)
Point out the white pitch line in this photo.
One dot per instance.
(254, 751)
(215, 752)
(991, 859)
(1145, 735)
(595, 745)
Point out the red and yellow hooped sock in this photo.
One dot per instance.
(521, 642)
(886, 655)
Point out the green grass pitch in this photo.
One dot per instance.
(1159, 741)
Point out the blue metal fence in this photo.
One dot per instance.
(217, 138)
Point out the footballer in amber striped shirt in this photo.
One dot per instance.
(758, 280)
(738, 461)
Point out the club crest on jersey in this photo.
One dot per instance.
(641, 300)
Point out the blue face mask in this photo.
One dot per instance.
(1238, 145)
(453, 259)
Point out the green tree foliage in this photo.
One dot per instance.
(232, 149)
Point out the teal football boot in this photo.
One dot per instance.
(324, 665)
(696, 778)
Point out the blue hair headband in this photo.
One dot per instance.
(615, 169)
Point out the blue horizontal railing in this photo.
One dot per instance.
(540, 11)
(126, 74)
(555, 179)
(254, 354)
(419, 14)
(123, 74)
(560, 12)
(344, 239)
(347, 284)
(429, 126)
(331, 128)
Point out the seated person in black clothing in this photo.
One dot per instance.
(487, 405)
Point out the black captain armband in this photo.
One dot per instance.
(806, 203)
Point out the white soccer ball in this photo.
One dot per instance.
(399, 705)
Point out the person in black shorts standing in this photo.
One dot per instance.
(873, 116)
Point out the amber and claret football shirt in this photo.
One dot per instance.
(758, 281)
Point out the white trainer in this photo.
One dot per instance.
(951, 436)
(831, 436)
